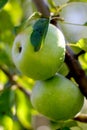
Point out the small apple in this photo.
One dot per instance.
(57, 98)
(45, 62)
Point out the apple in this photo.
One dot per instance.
(75, 17)
(45, 62)
(57, 98)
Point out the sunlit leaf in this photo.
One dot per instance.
(3, 78)
(14, 9)
(52, 5)
(17, 125)
(6, 122)
(82, 43)
(6, 27)
(4, 58)
(23, 107)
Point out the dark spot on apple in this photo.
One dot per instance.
(20, 49)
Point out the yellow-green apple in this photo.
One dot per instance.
(57, 98)
(45, 62)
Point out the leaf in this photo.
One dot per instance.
(52, 3)
(70, 123)
(85, 24)
(52, 6)
(6, 123)
(82, 43)
(39, 32)
(34, 16)
(2, 3)
(23, 109)
(65, 128)
(26, 23)
(75, 47)
(6, 101)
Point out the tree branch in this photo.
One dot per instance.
(76, 70)
(13, 81)
(40, 4)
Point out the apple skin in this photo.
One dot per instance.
(57, 98)
(42, 64)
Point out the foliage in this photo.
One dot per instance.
(16, 112)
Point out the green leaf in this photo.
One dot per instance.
(6, 28)
(6, 101)
(23, 109)
(85, 24)
(2, 3)
(34, 16)
(39, 33)
(65, 128)
(82, 43)
(26, 23)
(52, 6)
(70, 123)
(63, 125)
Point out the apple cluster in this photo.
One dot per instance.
(53, 95)
(41, 64)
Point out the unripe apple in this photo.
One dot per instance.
(57, 98)
(45, 62)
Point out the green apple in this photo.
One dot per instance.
(75, 17)
(57, 98)
(45, 62)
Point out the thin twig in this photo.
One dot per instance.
(14, 82)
